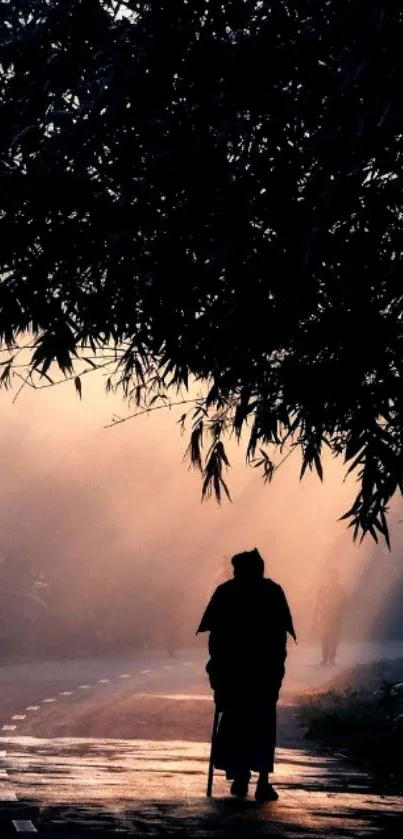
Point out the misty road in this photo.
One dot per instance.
(122, 744)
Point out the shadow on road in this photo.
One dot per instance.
(218, 818)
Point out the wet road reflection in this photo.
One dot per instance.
(161, 785)
(129, 754)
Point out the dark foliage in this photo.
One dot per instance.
(362, 719)
(212, 191)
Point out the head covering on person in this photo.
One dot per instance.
(248, 565)
(248, 600)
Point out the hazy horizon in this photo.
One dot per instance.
(112, 519)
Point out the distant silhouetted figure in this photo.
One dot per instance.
(329, 609)
(248, 619)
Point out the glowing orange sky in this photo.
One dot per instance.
(125, 495)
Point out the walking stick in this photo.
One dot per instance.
(211, 763)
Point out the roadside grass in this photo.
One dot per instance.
(360, 715)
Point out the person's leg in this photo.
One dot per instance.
(241, 772)
(334, 639)
(240, 784)
(230, 749)
(325, 647)
(264, 789)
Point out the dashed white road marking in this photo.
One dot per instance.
(24, 826)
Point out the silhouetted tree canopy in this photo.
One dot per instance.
(211, 191)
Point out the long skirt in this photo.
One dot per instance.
(246, 738)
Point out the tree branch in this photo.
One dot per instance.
(151, 409)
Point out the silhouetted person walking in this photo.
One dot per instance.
(330, 605)
(248, 619)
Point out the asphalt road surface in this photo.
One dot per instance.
(92, 747)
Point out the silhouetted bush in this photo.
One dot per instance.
(362, 715)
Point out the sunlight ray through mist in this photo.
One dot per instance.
(112, 521)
